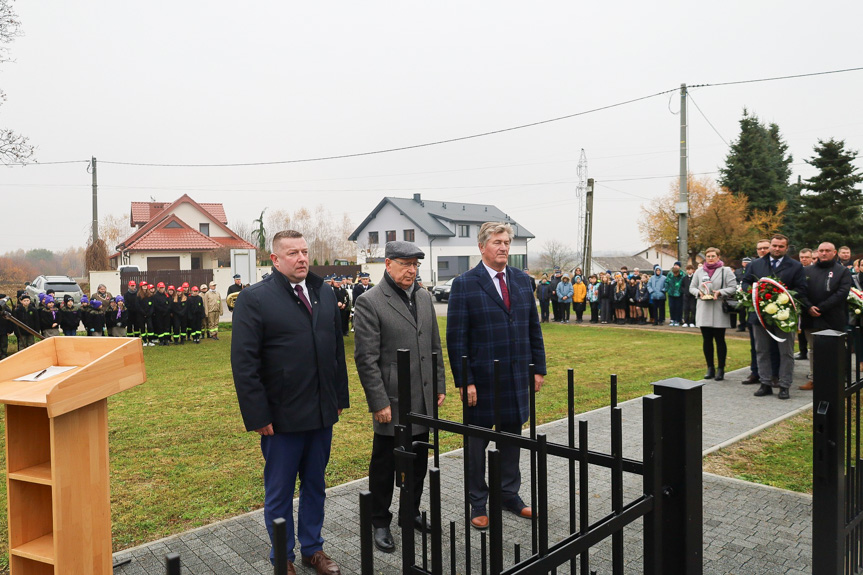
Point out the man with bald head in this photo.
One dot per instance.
(829, 283)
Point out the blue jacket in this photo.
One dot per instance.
(543, 291)
(657, 287)
(480, 327)
(564, 290)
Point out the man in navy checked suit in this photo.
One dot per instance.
(492, 316)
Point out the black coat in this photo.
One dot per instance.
(828, 288)
(47, 318)
(131, 301)
(29, 316)
(790, 272)
(289, 368)
(606, 291)
(69, 319)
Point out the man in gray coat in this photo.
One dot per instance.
(396, 314)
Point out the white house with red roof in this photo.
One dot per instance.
(181, 235)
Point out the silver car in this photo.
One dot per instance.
(62, 286)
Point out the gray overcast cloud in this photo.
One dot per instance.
(226, 82)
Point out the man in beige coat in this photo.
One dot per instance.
(213, 307)
(396, 314)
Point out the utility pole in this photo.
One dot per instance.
(95, 235)
(588, 229)
(682, 206)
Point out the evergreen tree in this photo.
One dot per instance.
(832, 204)
(758, 165)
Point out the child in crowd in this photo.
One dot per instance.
(117, 317)
(95, 319)
(69, 317)
(593, 298)
(26, 313)
(196, 314)
(49, 318)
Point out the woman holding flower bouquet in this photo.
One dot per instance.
(711, 285)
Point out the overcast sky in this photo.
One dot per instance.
(227, 82)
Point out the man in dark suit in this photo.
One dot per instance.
(778, 265)
(492, 316)
(396, 314)
(288, 361)
(828, 284)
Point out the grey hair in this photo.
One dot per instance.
(489, 229)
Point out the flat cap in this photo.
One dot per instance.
(406, 250)
(238, 277)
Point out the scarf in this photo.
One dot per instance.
(710, 268)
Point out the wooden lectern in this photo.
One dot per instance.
(57, 451)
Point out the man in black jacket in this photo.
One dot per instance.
(288, 361)
(776, 264)
(828, 285)
(6, 326)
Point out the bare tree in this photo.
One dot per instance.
(14, 148)
(114, 229)
(556, 254)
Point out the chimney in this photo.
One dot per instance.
(418, 198)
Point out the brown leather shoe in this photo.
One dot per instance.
(480, 522)
(322, 563)
(527, 513)
(291, 570)
(807, 386)
(752, 379)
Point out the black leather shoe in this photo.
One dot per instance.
(801, 356)
(711, 373)
(783, 393)
(763, 390)
(384, 540)
(720, 374)
(752, 379)
(418, 524)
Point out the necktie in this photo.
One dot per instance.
(302, 296)
(773, 264)
(504, 291)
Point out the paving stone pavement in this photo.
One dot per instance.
(748, 528)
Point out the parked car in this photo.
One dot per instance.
(62, 286)
(441, 292)
(133, 269)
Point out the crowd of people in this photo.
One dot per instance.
(621, 297)
(159, 314)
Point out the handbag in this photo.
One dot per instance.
(728, 306)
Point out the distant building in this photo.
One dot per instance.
(665, 255)
(602, 264)
(179, 235)
(446, 232)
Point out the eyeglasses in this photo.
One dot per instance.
(415, 265)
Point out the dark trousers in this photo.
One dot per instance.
(555, 309)
(657, 309)
(70, 332)
(4, 344)
(774, 354)
(509, 470)
(287, 455)
(382, 472)
(543, 309)
(594, 312)
(675, 308)
(803, 343)
(178, 327)
(25, 340)
(605, 310)
(578, 308)
(689, 310)
(162, 325)
(708, 336)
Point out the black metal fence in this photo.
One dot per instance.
(670, 505)
(837, 489)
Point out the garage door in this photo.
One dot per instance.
(154, 264)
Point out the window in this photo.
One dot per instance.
(463, 231)
(443, 265)
(373, 238)
(517, 261)
(391, 235)
(204, 229)
(409, 235)
(173, 226)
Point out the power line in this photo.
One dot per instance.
(399, 149)
(709, 123)
(777, 78)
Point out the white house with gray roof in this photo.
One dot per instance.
(446, 232)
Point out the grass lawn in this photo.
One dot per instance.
(780, 456)
(180, 457)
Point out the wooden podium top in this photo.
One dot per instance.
(105, 366)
